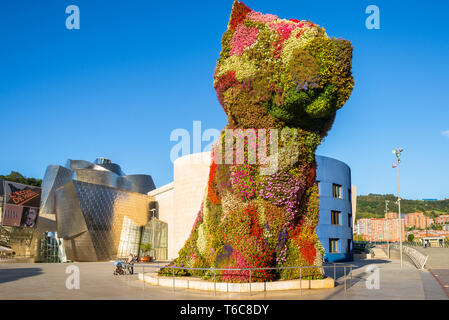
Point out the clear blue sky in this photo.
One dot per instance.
(136, 70)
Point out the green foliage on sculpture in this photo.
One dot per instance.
(272, 74)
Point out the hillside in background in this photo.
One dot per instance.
(17, 177)
(373, 206)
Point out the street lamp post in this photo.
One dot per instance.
(389, 233)
(397, 152)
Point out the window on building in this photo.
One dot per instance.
(333, 245)
(335, 217)
(348, 249)
(349, 195)
(350, 220)
(336, 191)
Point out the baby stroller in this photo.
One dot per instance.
(121, 268)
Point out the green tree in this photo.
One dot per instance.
(358, 237)
(410, 237)
(15, 176)
(146, 248)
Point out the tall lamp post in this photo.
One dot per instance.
(389, 231)
(397, 152)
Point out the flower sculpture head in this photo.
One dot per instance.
(274, 72)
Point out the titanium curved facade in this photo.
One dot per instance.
(335, 225)
(95, 205)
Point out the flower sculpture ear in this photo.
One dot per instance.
(281, 74)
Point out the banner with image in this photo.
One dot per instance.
(12, 215)
(22, 204)
(18, 216)
(22, 195)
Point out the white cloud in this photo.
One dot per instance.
(445, 133)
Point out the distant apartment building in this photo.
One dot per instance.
(429, 233)
(443, 219)
(391, 215)
(380, 229)
(417, 220)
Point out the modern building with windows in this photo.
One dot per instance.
(336, 219)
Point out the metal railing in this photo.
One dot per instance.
(419, 259)
(420, 244)
(250, 272)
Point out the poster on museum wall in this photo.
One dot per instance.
(18, 216)
(22, 195)
(21, 205)
(12, 215)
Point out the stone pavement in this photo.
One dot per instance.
(442, 277)
(435, 277)
(438, 257)
(47, 281)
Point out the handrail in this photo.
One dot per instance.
(418, 258)
(326, 265)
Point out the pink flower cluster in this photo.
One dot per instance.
(284, 29)
(240, 262)
(283, 190)
(282, 256)
(260, 17)
(243, 38)
(243, 181)
(198, 220)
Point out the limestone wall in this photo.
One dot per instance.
(180, 201)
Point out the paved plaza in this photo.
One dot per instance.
(48, 281)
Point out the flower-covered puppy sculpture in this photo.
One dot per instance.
(272, 74)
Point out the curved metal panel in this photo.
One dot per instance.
(69, 218)
(55, 177)
(141, 183)
(124, 184)
(112, 167)
(104, 178)
(78, 164)
(104, 210)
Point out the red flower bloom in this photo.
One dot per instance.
(224, 83)
(238, 14)
(212, 193)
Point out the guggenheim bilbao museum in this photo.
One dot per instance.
(94, 212)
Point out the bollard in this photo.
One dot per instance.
(345, 276)
(300, 280)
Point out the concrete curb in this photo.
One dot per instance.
(198, 284)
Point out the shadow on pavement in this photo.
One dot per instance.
(339, 272)
(13, 274)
